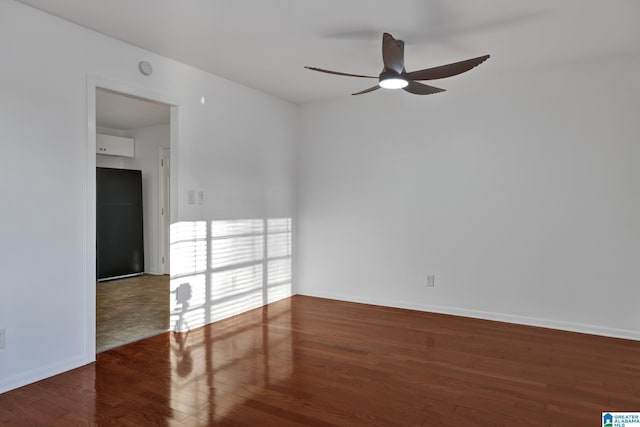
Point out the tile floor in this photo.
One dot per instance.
(131, 309)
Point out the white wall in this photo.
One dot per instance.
(45, 181)
(148, 142)
(519, 192)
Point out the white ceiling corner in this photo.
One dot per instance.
(266, 44)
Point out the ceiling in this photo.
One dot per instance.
(117, 111)
(266, 44)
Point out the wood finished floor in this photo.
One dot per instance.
(131, 309)
(314, 362)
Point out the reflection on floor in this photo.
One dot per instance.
(131, 309)
(314, 362)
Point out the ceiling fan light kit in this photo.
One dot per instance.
(392, 81)
(394, 75)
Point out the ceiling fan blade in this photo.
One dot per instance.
(447, 70)
(339, 73)
(422, 89)
(392, 53)
(371, 89)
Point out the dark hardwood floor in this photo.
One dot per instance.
(314, 362)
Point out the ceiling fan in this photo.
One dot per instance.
(394, 76)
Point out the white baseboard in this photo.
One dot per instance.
(485, 315)
(35, 375)
(154, 273)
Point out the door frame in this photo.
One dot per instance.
(164, 209)
(94, 83)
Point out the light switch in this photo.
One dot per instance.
(200, 197)
(191, 197)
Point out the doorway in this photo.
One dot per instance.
(135, 305)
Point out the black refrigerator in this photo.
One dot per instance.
(119, 236)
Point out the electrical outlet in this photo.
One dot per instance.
(2, 338)
(431, 281)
